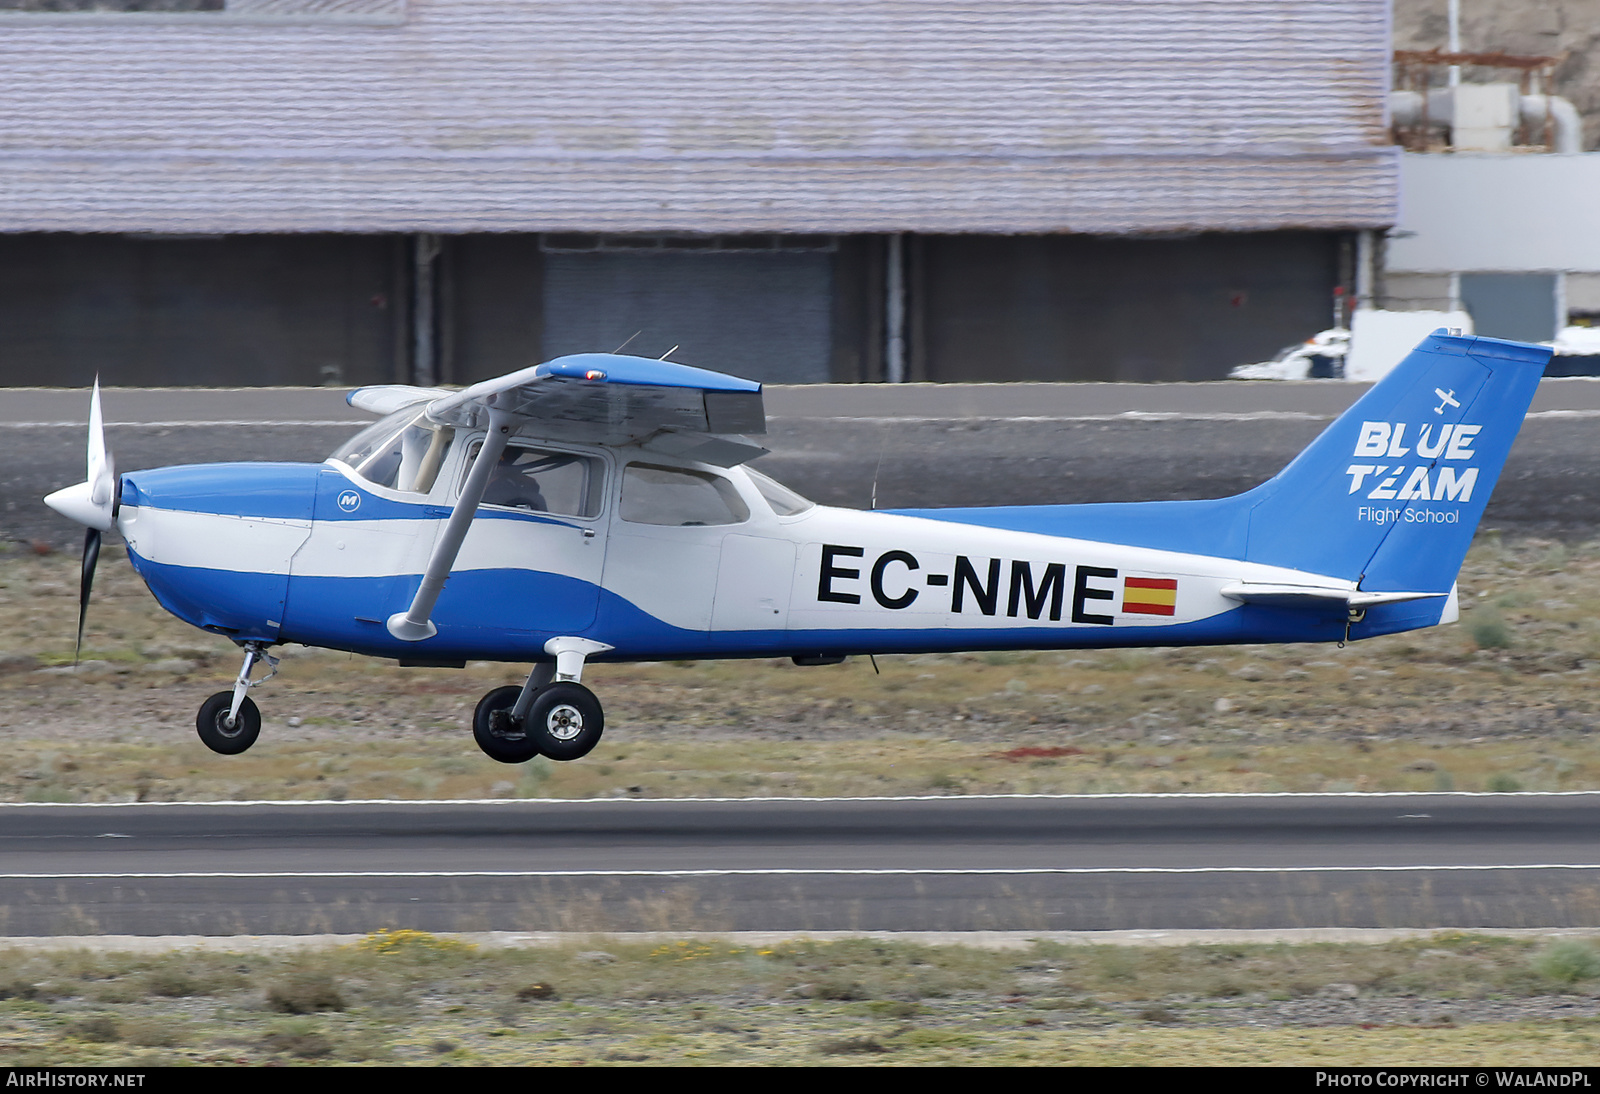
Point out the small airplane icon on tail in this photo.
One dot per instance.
(1449, 398)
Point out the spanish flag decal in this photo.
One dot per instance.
(1150, 595)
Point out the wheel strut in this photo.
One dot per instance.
(569, 655)
(553, 712)
(253, 652)
(542, 674)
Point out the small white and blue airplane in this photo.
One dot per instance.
(599, 507)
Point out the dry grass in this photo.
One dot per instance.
(413, 998)
(1504, 701)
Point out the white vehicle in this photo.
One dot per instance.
(1320, 357)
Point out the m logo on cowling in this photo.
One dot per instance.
(349, 501)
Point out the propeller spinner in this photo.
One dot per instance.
(92, 503)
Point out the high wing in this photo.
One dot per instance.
(595, 398)
(605, 398)
(388, 398)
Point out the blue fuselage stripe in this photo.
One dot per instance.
(495, 615)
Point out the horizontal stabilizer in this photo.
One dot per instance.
(1314, 596)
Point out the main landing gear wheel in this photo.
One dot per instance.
(499, 739)
(212, 724)
(565, 721)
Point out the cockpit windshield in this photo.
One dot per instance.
(403, 451)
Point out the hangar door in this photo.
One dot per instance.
(1080, 307)
(210, 311)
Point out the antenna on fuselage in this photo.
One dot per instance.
(883, 442)
(630, 338)
(669, 353)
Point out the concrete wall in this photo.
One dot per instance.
(1485, 212)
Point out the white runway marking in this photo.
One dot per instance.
(1124, 416)
(346, 422)
(1444, 796)
(1131, 416)
(782, 872)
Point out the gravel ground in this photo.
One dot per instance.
(408, 997)
(1504, 700)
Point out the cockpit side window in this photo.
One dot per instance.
(543, 481)
(679, 497)
(402, 452)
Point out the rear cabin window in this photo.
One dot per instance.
(680, 498)
(543, 481)
(784, 502)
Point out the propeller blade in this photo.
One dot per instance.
(93, 502)
(91, 558)
(101, 473)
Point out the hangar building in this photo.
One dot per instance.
(358, 191)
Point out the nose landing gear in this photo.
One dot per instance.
(552, 714)
(229, 722)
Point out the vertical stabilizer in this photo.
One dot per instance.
(1391, 493)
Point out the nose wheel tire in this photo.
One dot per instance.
(565, 721)
(218, 736)
(492, 728)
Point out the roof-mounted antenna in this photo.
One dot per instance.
(883, 443)
(669, 353)
(630, 338)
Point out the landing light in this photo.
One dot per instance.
(594, 374)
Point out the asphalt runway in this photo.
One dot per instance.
(911, 445)
(942, 864)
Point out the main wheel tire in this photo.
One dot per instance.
(212, 724)
(509, 747)
(566, 721)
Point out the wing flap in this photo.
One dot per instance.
(704, 448)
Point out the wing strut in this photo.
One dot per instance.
(414, 624)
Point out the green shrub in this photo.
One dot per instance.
(99, 1027)
(303, 1041)
(1567, 961)
(305, 992)
(851, 1046)
(1489, 631)
(172, 983)
(155, 1032)
(840, 988)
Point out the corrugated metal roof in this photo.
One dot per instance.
(710, 115)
